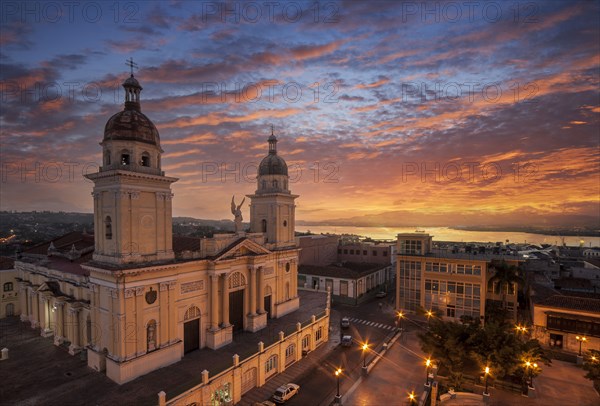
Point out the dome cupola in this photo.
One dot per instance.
(272, 164)
(131, 124)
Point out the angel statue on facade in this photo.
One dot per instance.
(237, 212)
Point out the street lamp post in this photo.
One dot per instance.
(365, 347)
(487, 372)
(412, 398)
(400, 316)
(427, 365)
(530, 367)
(338, 398)
(581, 340)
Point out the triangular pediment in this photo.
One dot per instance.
(242, 248)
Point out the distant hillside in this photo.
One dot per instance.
(474, 221)
(23, 229)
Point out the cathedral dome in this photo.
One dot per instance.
(272, 164)
(131, 124)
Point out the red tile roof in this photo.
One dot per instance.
(63, 243)
(181, 243)
(572, 302)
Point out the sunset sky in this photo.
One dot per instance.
(442, 109)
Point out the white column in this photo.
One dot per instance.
(139, 319)
(225, 298)
(253, 291)
(214, 302)
(59, 328)
(35, 309)
(163, 323)
(261, 291)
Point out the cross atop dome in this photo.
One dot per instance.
(129, 62)
(132, 88)
(272, 143)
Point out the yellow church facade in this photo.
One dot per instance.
(137, 298)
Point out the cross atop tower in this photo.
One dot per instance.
(129, 62)
(272, 129)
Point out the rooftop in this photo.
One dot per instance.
(472, 256)
(570, 302)
(68, 252)
(348, 270)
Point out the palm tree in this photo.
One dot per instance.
(505, 276)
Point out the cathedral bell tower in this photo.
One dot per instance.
(132, 197)
(272, 208)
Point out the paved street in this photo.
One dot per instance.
(369, 323)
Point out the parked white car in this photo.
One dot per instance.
(285, 392)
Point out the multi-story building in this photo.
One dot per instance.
(565, 320)
(318, 249)
(9, 301)
(372, 252)
(354, 270)
(451, 283)
(135, 297)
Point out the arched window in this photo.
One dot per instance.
(151, 335)
(271, 365)
(275, 184)
(264, 226)
(290, 354)
(192, 313)
(107, 158)
(8, 287)
(125, 158)
(264, 184)
(108, 227)
(287, 291)
(145, 161)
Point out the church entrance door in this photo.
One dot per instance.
(268, 306)
(236, 309)
(191, 335)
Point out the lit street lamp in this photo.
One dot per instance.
(427, 365)
(400, 316)
(412, 398)
(521, 329)
(581, 340)
(429, 315)
(487, 372)
(529, 369)
(338, 398)
(365, 347)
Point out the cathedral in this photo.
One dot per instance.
(134, 296)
